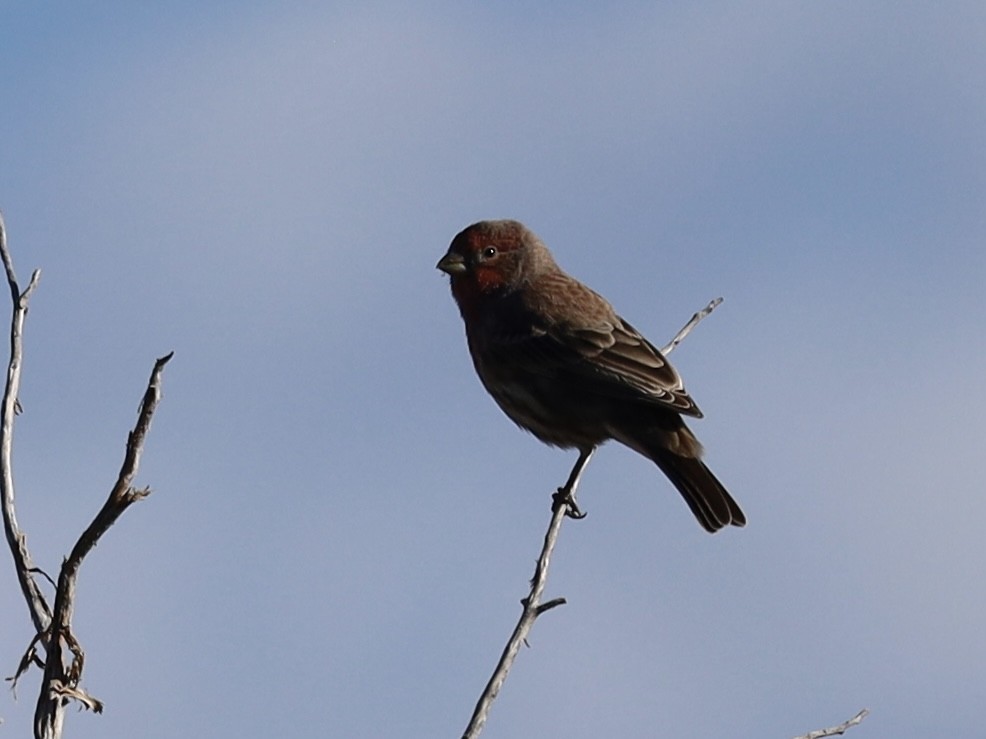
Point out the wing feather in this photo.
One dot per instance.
(577, 339)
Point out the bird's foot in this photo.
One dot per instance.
(564, 497)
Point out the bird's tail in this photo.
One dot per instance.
(711, 503)
(678, 453)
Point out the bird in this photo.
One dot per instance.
(563, 365)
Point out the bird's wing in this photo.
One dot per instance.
(576, 339)
(616, 352)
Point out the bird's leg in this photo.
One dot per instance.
(566, 495)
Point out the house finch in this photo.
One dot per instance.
(563, 365)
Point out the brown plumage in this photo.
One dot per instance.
(563, 365)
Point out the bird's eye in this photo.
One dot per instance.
(489, 252)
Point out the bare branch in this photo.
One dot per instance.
(63, 681)
(122, 494)
(837, 730)
(53, 626)
(45, 575)
(16, 540)
(687, 328)
(564, 505)
(531, 611)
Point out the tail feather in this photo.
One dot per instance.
(674, 448)
(709, 500)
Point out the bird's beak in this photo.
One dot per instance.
(452, 264)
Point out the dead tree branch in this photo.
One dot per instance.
(64, 657)
(564, 505)
(61, 676)
(837, 730)
(36, 603)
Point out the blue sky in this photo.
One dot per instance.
(343, 523)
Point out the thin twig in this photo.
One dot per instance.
(532, 609)
(837, 730)
(687, 328)
(16, 540)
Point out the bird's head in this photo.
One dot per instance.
(491, 258)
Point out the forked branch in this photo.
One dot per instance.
(61, 675)
(63, 655)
